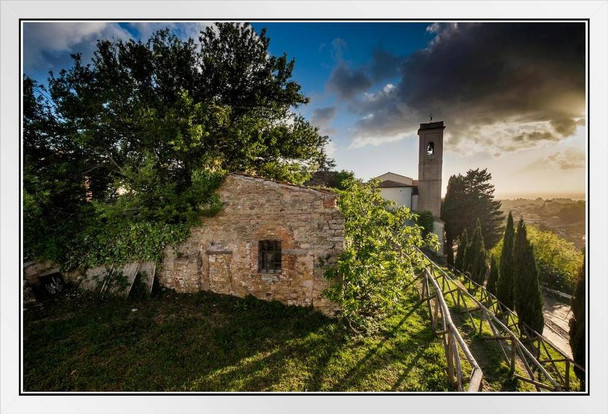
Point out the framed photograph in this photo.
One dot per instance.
(295, 206)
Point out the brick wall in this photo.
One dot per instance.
(222, 254)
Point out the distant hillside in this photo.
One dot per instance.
(563, 216)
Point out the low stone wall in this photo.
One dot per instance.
(222, 254)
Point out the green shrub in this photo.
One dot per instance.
(558, 260)
(372, 275)
(425, 220)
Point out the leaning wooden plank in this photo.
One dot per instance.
(147, 270)
(123, 279)
(94, 277)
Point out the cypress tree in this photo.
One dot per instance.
(528, 298)
(493, 278)
(468, 257)
(462, 245)
(505, 285)
(477, 256)
(577, 325)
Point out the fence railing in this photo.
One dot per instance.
(531, 350)
(546, 352)
(453, 343)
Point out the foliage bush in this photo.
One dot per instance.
(372, 275)
(425, 220)
(558, 260)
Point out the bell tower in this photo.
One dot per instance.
(430, 160)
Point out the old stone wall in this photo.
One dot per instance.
(222, 254)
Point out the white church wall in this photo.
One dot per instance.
(400, 195)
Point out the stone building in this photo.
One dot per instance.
(271, 240)
(424, 193)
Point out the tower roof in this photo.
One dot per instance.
(432, 125)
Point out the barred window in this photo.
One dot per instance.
(269, 256)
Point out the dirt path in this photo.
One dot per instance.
(557, 315)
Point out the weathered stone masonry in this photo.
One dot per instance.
(222, 254)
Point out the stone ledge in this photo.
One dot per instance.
(295, 251)
(214, 252)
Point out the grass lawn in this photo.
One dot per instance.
(210, 342)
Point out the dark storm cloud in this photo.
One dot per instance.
(347, 82)
(529, 76)
(321, 117)
(385, 64)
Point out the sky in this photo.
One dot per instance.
(512, 95)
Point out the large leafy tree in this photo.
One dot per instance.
(528, 297)
(505, 287)
(577, 325)
(166, 105)
(470, 197)
(150, 126)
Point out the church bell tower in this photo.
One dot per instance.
(430, 159)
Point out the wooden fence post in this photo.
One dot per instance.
(513, 354)
(451, 357)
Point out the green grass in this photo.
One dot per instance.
(209, 342)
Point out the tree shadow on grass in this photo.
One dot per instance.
(209, 342)
(156, 344)
(363, 365)
(394, 362)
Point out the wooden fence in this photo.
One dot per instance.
(545, 365)
(453, 343)
(545, 352)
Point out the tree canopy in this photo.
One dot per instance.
(143, 133)
(470, 197)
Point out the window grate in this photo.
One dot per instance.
(269, 256)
